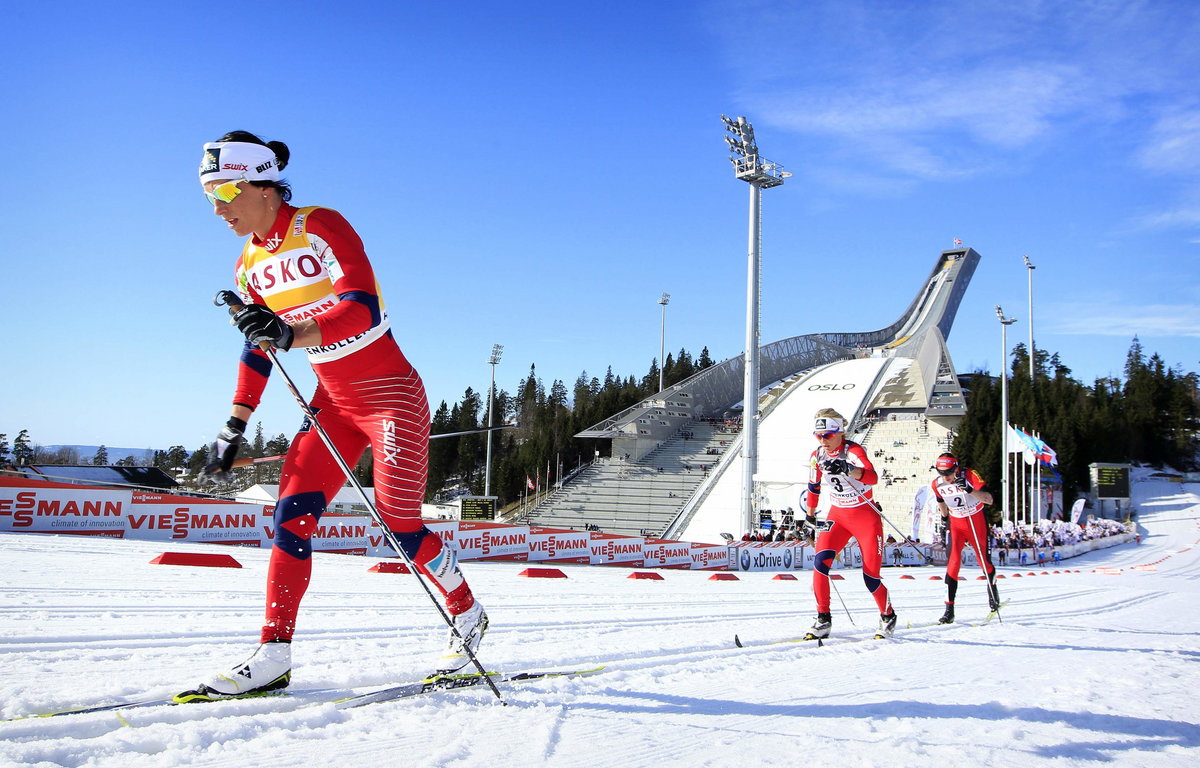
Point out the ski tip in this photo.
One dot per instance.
(738, 641)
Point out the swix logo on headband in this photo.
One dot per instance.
(238, 159)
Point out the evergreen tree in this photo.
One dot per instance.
(197, 461)
(682, 368)
(470, 447)
(256, 449)
(278, 445)
(1182, 420)
(3, 448)
(667, 373)
(101, 457)
(22, 450)
(174, 458)
(651, 380)
(442, 452)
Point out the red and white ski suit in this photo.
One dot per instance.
(852, 517)
(967, 521)
(312, 264)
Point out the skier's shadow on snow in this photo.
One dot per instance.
(1092, 648)
(1155, 734)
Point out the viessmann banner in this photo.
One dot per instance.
(47, 507)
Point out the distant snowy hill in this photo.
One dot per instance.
(86, 452)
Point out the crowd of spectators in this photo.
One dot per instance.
(779, 533)
(1055, 533)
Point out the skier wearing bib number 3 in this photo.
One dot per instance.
(960, 496)
(840, 468)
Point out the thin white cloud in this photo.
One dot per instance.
(1186, 216)
(1007, 107)
(945, 89)
(941, 127)
(1173, 146)
(1151, 320)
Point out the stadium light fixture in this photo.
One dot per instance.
(1029, 270)
(493, 360)
(760, 173)
(1004, 323)
(662, 339)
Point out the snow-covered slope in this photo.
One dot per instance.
(1087, 668)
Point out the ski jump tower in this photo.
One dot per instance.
(904, 368)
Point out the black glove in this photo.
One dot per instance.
(810, 524)
(224, 449)
(261, 324)
(964, 483)
(836, 466)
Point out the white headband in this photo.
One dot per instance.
(824, 424)
(238, 160)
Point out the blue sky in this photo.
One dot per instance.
(538, 174)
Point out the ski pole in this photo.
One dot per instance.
(237, 463)
(230, 299)
(879, 511)
(473, 431)
(991, 584)
(829, 578)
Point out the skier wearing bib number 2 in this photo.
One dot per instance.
(960, 496)
(841, 469)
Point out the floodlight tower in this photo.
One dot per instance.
(1004, 323)
(662, 339)
(493, 360)
(760, 174)
(1029, 269)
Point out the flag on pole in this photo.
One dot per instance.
(1022, 443)
(957, 241)
(1045, 453)
(529, 483)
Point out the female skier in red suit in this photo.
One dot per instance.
(306, 282)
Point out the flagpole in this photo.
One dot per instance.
(1004, 323)
(1025, 477)
(1029, 479)
(1019, 487)
(1038, 482)
(1019, 458)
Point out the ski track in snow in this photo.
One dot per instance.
(1081, 669)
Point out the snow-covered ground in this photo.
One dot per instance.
(1087, 668)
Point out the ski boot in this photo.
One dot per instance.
(948, 616)
(821, 627)
(471, 624)
(887, 623)
(269, 669)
